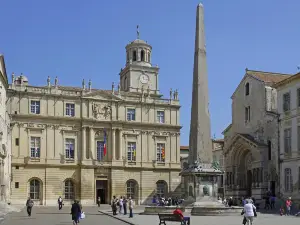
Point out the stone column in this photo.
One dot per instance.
(113, 144)
(92, 139)
(83, 144)
(120, 144)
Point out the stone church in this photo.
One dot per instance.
(251, 140)
(83, 143)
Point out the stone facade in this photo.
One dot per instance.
(251, 140)
(59, 137)
(288, 93)
(5, 136)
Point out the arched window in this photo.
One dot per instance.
(34, 189)
(161, 189)
(142, 55)
(134, 56)
(247, 90)
(130, 188)
(69, 190)
(288, 180)
(149, 57)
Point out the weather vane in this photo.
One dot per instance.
(137, 32)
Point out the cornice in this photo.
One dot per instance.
(29, 118)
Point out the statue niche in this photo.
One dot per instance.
(100, 110)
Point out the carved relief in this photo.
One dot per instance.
(99, 110)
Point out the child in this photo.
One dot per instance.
(281, 211)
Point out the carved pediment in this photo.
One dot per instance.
(101, 110)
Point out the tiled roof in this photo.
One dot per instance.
(184, 147)
(268, 77)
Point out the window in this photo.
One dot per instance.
(299, 178)
(34, 189)
(17, 167)
(131, 114)
(142, 55)
(288, 180)
(35, 107)
(247, 89)
(286, 102)
(16, 184)
(131, 151)
(298, 139)
(287, 141)
(161, 189)
(134, 56)
(298, 97)
(69, 148)
(69, 190)
(160, 152)
(35, 147)
(130, 188)
(100, 150)
(247, 114)
(70, 109)
(160, 116)
(127, 57)
(17, 141)
(269, 150)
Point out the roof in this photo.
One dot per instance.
(227, 128)
(287, 80)
(184, 147)
(269, 78)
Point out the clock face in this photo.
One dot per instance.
(144, 79)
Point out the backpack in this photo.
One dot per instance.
(30, 203)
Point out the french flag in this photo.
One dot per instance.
(104, 146)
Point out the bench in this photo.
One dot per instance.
(171, 217)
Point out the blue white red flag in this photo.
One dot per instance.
(104, 147)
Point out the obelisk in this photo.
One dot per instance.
(200, 144)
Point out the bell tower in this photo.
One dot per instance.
(139, 74)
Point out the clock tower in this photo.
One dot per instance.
(139, 74)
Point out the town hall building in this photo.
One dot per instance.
(83, 143)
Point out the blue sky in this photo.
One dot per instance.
(86, 39)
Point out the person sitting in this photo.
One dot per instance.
(185, 219)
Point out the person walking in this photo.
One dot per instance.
(125, 206)
(288, 204)
(98, 201)
(120, 204)
(114, 205)
(29, 205)
(273, 202)
(75, 211)
(249, 211)
(130, 205)
(60, 203)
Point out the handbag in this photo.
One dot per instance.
(82, 216)
(254, 211)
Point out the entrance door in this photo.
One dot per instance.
(101, 190)
(272, 187)
(249, 183)
(101, 194)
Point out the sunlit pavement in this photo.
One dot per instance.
(53, 216)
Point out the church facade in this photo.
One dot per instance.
(84, 143)
(251, 147)
(5, 137)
